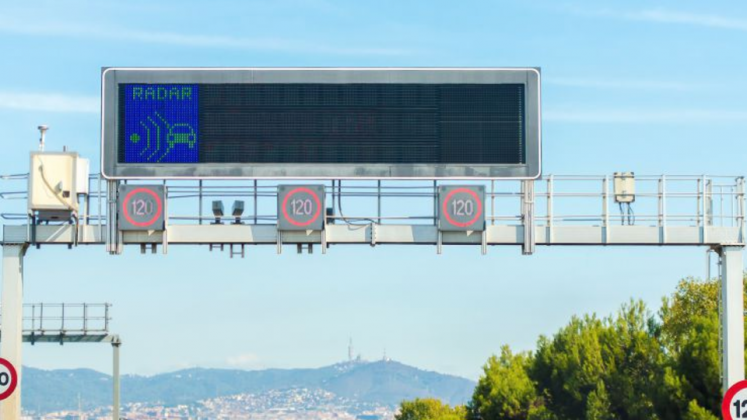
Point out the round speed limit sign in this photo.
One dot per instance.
(300, 207)
(141, 207)
(461, 208)
(734, 405)
(8, 379)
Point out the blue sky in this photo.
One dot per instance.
(642, 86)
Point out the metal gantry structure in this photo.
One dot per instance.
(701, 211)
(73, 323)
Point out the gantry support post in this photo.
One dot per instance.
(527, 217)
(12, 322)
(732, 315)
(116, 344)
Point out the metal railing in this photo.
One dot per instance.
(558, 200)
(66, 318)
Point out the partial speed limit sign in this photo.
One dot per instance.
(461, 208)
(300, 207)
(734, 405)
(141, 207)
(8, 379)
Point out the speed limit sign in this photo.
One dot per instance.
(734, 405)
(300, 207)
(8, 379)
(141, 207)
(461, 208)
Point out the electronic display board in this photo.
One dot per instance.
(321, 123)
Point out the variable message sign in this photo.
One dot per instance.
(321, 123)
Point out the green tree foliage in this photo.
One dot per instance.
(505, 390)
(692, 299)
(689, 335)
(696, 412)
(598, 405)
(699, 365)
(632, 365)
(568, 367)
(599, 369)
(429, 409)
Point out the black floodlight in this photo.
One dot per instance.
(217, 211)
(237, 210)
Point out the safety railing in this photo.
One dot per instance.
(558, 200)
(66, 318)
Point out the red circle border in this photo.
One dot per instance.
(296, 191)
(127, 200)
(726, 403)
(446, 211)
(13, 378)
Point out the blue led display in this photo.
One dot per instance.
(161, 123)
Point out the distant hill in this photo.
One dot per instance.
(383, 382)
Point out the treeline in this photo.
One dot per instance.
(633, 365)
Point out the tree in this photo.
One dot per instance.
(696, 412)
(598, 404)
(699, 365)
(429, 409)
(601, 369)
(692, 298)
(505, 390)
(568, 367)
(631, 365)
(635, 363)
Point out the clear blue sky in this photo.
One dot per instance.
(634, 85)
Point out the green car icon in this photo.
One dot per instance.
(181, 133)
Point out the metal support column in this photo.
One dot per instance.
(116, 343)
(527, 213)
(732, 315)
(12, 328)
(113, 245)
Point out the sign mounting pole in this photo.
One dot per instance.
(12, 318)
(732, 321)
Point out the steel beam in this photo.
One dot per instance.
(390, 234)
(732, 315)
(12, 316)
(116, 344)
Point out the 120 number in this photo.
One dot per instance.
(142, 207)
(739, 405)
(463, 207)
(4, 379)
(301, 207)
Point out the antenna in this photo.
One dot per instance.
(42, 129)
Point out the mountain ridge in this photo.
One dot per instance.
(384, 383)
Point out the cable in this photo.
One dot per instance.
(631, 215)
(339, 208)
(53, 190)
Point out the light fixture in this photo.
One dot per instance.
(217, 211)
(237, 210)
